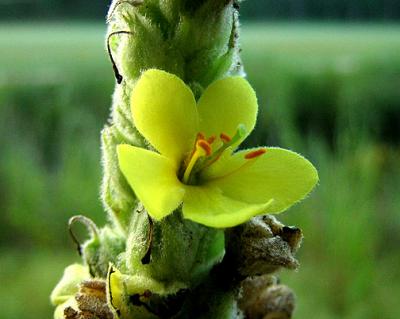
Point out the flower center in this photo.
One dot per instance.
(205, 153)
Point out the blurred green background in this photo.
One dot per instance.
(329, 90)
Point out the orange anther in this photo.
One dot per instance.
(255, 154)
(211, 139)
(205, 146)
(225, 138)
(200, 136)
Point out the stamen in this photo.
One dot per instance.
(205, 146)
(202, 148)
(200, 136)
(225, 138)
(211, 139)
(203, 156)
(255, 153)
(241, 131)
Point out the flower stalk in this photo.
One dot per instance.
(170, 248)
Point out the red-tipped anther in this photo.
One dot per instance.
(211, 139)
(205, 146)
(255, 154)
(200, 136)
(225, 138)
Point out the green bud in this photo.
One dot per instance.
(175, 251)
(118, 198)
(103, 249)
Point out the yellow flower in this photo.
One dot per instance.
(196, 164)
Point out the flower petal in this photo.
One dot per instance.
(225, 104)
(164, 111)
(68, 285)
(225, 165)
(207, 206)
(70, 303)
(153, 179)
(281, 175)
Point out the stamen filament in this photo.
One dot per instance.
(241, 131)
(202, 148)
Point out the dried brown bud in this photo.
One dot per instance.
(92, 302)
(263, 298)
(263, 245)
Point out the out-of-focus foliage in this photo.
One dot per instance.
(330, 92)
(260, 9)
(322, 9)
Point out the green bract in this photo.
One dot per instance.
(196, 164)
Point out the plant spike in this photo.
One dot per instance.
(173, 268)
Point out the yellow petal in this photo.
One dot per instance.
(121, 287)
(59, 312)
(207, 206)
(164, 111)
(281, 175)
(116, 293)
(223, 166)
(225, 104)
(68, 285)
(153, 179)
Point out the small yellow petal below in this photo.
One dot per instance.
(153, 179)
(208, 206)
(115, 290)
(279, 174)
(59, 312)
(225, 104)
(165, 113)
(68, 285)
(120, 287)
